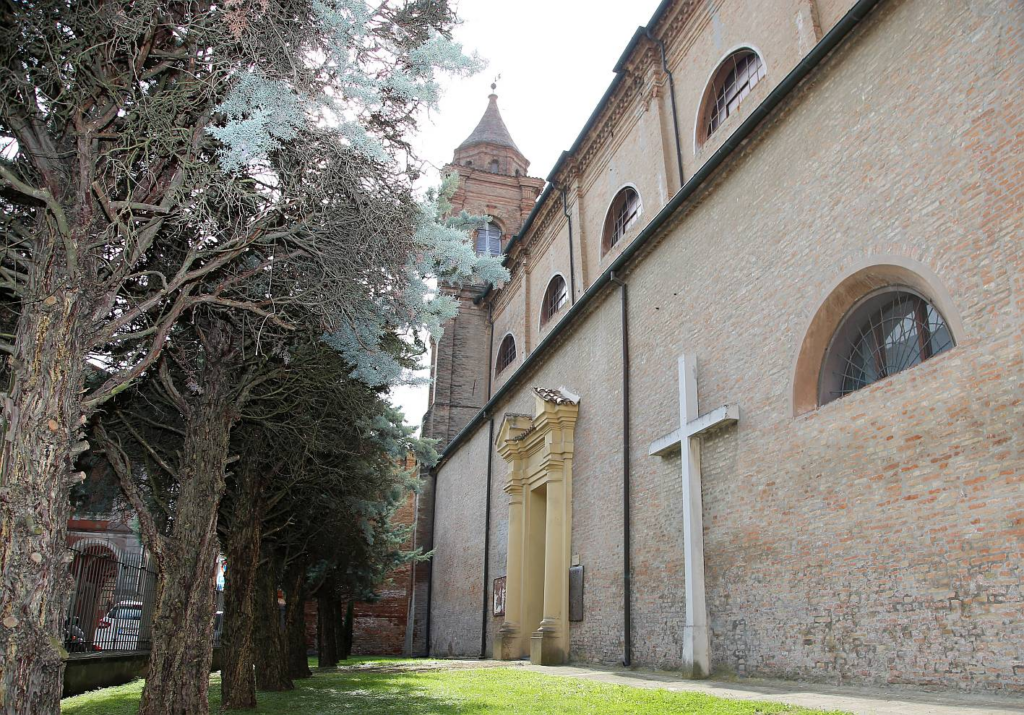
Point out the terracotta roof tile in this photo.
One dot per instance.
(561, 396)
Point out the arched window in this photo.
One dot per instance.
(488, 240)
(886, 332)
(469, 162)
(738, 74)
(625, 211)
(555, 297)
(494, 166)
(506, 354)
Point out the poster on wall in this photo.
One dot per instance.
(499, 596)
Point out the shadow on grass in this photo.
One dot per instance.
(369, 694)
(324, 693)
(449, 692)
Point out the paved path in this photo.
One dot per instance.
(858, 700)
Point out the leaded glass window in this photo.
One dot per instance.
(506, 354)
(734, 80)
(889, 331)
(625, 211)
(555, 297)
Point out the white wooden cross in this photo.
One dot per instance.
(696, 656)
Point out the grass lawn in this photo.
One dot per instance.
(466, 692)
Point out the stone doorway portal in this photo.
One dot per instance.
(539, 451)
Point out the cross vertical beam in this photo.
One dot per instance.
(693, 425)
(696, 651)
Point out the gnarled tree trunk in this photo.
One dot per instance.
(345, 637)
(179, 665)
(295, 622)
(270, 654)
(327, 629)
(238, 678)
(42, 416)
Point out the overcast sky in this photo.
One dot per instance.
(555, 58)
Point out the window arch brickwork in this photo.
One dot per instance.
(863, 282)
(506, 354)
(555, 297)
(623, 215)
(886, 332)
(734, 79)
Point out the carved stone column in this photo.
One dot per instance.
(507, 644)
(548, 644)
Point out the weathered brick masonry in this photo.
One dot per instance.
(379, 628)
(878, 538)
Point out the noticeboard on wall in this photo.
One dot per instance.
(576, 593)
(499, 596)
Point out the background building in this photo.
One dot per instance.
(820, 203)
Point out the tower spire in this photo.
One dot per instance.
(491, 128)
(490, 146)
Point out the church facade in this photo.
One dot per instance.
(752, 401)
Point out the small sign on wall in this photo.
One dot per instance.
(499, 596)
(576, 593)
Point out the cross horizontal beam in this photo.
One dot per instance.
(724, 416)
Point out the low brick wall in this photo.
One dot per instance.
(104, 670)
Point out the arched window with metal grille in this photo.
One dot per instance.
(555, 297)
(506, 354)
(623, 215)
(488, 240)
(888, 331)
(734, 79)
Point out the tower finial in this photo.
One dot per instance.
(494, 84)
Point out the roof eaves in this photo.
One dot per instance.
(618, 69)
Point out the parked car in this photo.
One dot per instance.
(119, 629)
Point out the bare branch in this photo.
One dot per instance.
(122, 468)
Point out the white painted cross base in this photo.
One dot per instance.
(696, 652)
(696, 648)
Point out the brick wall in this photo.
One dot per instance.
(379, 628)
(877, 539)
(457, 600)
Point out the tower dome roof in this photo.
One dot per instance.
(491, 129)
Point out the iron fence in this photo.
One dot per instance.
(112, 603)
(111, 607)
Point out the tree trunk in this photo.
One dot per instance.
(345, 646)
(295, 622)
(238, 679)
(271, 657)
(327, 630)
(42, 414)
(179, 664)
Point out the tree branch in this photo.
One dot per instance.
(122, 467)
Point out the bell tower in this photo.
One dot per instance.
(492, 182)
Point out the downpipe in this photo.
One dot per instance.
(627, 585)
(487, 496)
(572, 266)
(672, 97)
